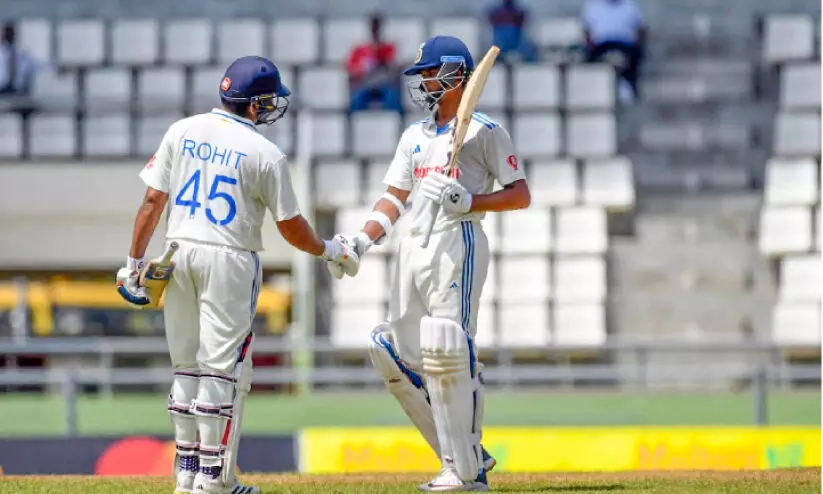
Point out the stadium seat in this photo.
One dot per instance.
(188, 41)
(295, 41)
(205, 88)
(80, 42)
(282, 134)
(591, 135)
(351, 326)
(371, 285)
(590, 86)
(796, 323)
(490, 291)
(524, 279)
(350, 220)
(11, 135)
(526, 231)
(553, 183)
(579, 325)
(526, 326)
(537, 135)
(496, 91)
(406, 33)
(579, 279)
(818, 227)
(559, 33)
(52, 136)
(797, 134)
(323, 88)
(107, 135)
(108, 90)
(464, 28)
(486, 336)
(785, 230)
(788, 38)
(239, 38)
(375, 133)
(800, 86)
(609, 183)
(581, 230)
(150, 132)
(801, 279)
(491, 227)
(535, 87)
(135, 42)
(340, 36)
(792, 182)
(56, 92)
(337, 184)
(34, 37)
(161, 88)
(375, 172)
(328, 134)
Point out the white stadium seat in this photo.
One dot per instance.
(295, 41)
(535, 87)
(337, 184)
(792, 182)
(537, 136)
(491, 227)
(282, 134)
(340, 36)
(324, 88)
(150, 132)
(800, 86)
(464, 28)
(591, 135)
(375, 172)
(352, 220)
(579, 325)
(581, 230)
(524, 279)
(579, 279)
(188, 41)
(56, 92)
(239, 38)
(371, 285)
(351, 326)
(205, 88)
(787, 38)
(496, 91)
(559, 32)
(34, 37)
(797, 134)
(375, 133)
(328, 134)
(161, 88)
(406, 33)
(135, 42)
(108, 89)
(553, 183)
(490, 290)
(785, 230)
(80, 42)
(486, 336)
(796, 323)
(609, 183)
(590, 86)
(526, 326)
(107, 135)
(526, 231)
(52, 136)
(11, 135)
(801, 279)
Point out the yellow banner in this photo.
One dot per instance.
(579, 449)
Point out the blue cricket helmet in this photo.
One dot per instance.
(438, 50)
(455, 64)
(256, 80)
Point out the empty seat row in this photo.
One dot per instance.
(792, 182)
(789, 230)
(788, 37)
(513, 326)
(796, 323)
(797, 134)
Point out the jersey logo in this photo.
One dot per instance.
(453, 285)
(416, 149)
(226, 84)
(512, 159)
(419, 53)
(150, 164)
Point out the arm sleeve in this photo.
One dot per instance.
(278, 192)
(501, 160)
(157, 172)
(399, 174)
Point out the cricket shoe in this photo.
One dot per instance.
(208, 481)
(449, 481)
(186, 468)
(240, 488)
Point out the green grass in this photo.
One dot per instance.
(801, 481)
(33, 415)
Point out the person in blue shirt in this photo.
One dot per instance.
(508, 32)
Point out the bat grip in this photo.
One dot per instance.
(170, 250)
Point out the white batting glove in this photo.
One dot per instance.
(340, 251)
(361, 243)
(446, 191)
(127, 283)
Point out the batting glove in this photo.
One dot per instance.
(128, 286)
(446, 191)
(340, 251)
(361, 243)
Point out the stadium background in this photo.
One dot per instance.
(657, 307)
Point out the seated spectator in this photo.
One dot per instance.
(616, 26)
(17, 70)
(374, 80)
(508, 33)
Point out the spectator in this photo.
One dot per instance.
(16, 67)
(508, 33)
(616, 26)
(374, 80)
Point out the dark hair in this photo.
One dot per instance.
(8, 33)
(239, 109)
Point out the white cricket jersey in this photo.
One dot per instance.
(487, 154)
(221, 175)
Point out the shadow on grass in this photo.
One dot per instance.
(563, 488)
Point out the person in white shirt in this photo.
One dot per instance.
(216, 176)
(429, 334)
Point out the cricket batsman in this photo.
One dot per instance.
(425, 351)
(216, 175)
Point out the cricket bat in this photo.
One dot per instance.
(468, 103)
(156, 275)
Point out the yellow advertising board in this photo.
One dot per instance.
(578, 449)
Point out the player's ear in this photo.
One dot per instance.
(251, 111)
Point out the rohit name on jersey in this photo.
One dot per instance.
(422, 171)
(211, 153)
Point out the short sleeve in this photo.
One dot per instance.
(501, 158)
(278, 192)
(157, 172)
(399, 174)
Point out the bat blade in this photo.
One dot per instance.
(157, 273)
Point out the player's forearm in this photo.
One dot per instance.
(301, 235)
(513, 196)
(373, 228)
(144, 225)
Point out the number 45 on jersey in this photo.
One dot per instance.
(191, 190)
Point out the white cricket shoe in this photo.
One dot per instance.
(239, 488)
(449, 481)
(185, 482)
(185, 471)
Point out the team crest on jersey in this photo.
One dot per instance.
(150, 164)
(226, 84)
(512, 159)
(419, 53)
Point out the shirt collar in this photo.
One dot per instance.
(430, 125)
(231, 116)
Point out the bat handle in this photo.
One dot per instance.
(427, 233)
(167, 255)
